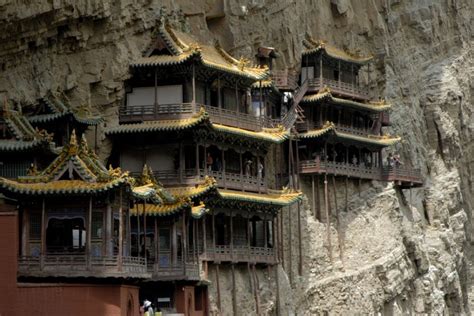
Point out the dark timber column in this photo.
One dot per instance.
(234, 296)
(204, 237)
(223, 167)
(241, 170)
(282, 235)
(129, 234)
(318, 197)
(120, 249)
(214, 231)
(219, 306)
(290, 258)
(313, 196)
(198, 172)
(300, 249)
(181, 162)
(237, 97)
(248, 235)
(157, 240)
(156, 88)
(89, 235)
(194, 87)
(185, 243)
(219, 97)
(328, 222)
(43, 232)
(144, 231)
(231, 236)
(24, 232)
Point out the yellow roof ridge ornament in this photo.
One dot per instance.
(73, 146)
(243, 62)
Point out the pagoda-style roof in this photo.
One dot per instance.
(21, 135)
(325, 95)
(182, 47)
(330, 128)
(50, 108)
(268, 85)
(201, 119)
(312, 46)
(76, 171)
(277, 198)
(180, 199)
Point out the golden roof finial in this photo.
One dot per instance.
(195, 47)
(32, 170)
(73, 143)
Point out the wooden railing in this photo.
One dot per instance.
(174, 271)
(308, 125)
(151, 112)
(402, 175)
(240, 254)
(14, 170)
(237, 181)
(139, 113)
(82, 265)
(347, 89)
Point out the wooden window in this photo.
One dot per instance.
(35, 225)
(97, 224)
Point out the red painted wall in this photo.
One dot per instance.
(54, 299)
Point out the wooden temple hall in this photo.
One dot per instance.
(207, 152)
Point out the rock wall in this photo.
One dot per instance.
(393, 252)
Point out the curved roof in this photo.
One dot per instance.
(315, 46)
(76, 170)
(183, 47)
(326, 95)
(330, 127)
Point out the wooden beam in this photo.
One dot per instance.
(290, 252)
(277, 281)
(328, 221)
(338, 221)
(204, 237)
(257, 286)
(300, 247)
(219, 306)
(157, 242)
(214, 231)
(318, 197)
(234, 295)
(185, 243)
(313, 197)
(194, 85)
(282, 243)
(198, 167)
(129, 234)
(144, 232)
(231, 236)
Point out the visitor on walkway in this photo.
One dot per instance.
(260, 170)
(209, 162)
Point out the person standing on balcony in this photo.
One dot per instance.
(390, 160)
(260, 170)
(248, 168)
(354, 160)
(209, 162)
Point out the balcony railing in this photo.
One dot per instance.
(240, 254)
(81, 266)
(164, 269)
(227, 180)
(14, 170)
(401, 175)
(307, 126)
(139, 113)
(340, 87)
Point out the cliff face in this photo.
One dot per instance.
(393, 251)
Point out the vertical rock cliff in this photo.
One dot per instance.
(393, 251)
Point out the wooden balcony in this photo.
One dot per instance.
(240, 254)
(225, 180)
(65, 265)
(285, 80)
(141, 113)
(341, 88)
(401, 176)
(176, 271)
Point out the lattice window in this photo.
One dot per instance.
(35, 225)
(97, 224)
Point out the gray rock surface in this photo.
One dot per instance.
(393, 252)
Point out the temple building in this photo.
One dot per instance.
(21, 145)
(342, 133)
(204, 123)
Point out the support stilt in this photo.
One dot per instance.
(218, 289)
(234, 296)
(300, 246)
(290, 258)
(328, 221)
(338, 222)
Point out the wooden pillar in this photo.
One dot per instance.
(129, 234)
(223, 168)
(108, 231)
(89, 235)
(155, 98)
(259, 179)
(282, 243)
(138, 233)
(262, 114)
(241, 170)
(204, 237)
(313, 196)
(185, 242)
(174, 245)
(297, 166)
(339, 73)
(321, 69)
(318, 198)
(157, 242)
(277, 281)
(234, 295)
(198, 172)
(248, 234)
(237, 98)
(181, 162)
(24, 232)
(219, 96)
(120, 246)
(290, 252)
(338, 221)
(265, 234)
(219, 306)
(43, 233)
(231, 236)
(194, 85)
(214, 231)
(300, 244)
(328, 221)
(144, 231)
(205, 160)
(274, 238)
